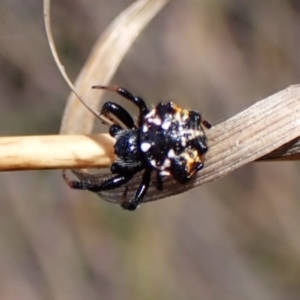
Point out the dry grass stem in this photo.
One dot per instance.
(56, 57)
(57, 151)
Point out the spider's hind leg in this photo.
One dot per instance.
(109, 184)
(158, 182)
(141, 192)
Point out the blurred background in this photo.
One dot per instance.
(236, 238)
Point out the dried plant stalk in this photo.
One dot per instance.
(57, 151)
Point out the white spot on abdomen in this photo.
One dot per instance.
(155, 121)
(164, 173)
(166, 125)
(183, 141)
(151, 113)
(153, 162)
(145, 146)
(171, 153)
(167, 163)
(145, 128)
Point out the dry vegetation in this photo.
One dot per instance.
(236, 238)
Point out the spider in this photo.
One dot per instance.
(166, 139)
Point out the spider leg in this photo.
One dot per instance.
(200, 141)
(119, 168)
(179, 170)
(196, 168)
(206, 123)
(113, 183)
(109, 184)
(114, 129)
(111, 108)
(183, 173)
(196, 118)
(141, 192)
(139, 102)
(199, 167)
(158, 183)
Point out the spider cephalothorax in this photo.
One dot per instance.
(166, 139)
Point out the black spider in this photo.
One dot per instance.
(166, 139)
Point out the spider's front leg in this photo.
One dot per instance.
(139, 102)
(141, 192)
(109, 184)
(111, 108)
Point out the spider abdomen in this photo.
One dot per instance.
(173, 141)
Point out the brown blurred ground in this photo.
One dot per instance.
(237, 238)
